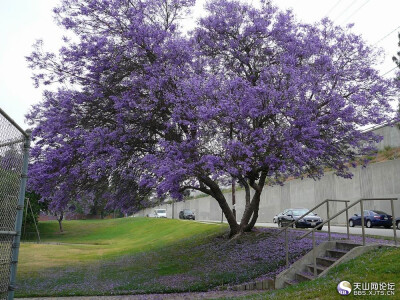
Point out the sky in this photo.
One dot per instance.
(22, 22)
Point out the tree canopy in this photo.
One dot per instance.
(250, 95)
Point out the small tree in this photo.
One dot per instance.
(60, 217)
(31, 211)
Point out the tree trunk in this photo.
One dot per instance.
(253, 221)
(234, 226)
(94, 209)
(60, 225)
(217, 194)
(252, 209)
(60, 219)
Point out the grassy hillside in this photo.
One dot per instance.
(142, 255)
(95, 257)
(147, 255)
(90, 240)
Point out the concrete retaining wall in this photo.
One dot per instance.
(391, 136)
(376, 180)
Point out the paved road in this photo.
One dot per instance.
(379, 231)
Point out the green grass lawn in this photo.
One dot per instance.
(106, 249)
(147, 255)
(381, 265)
(85, 241)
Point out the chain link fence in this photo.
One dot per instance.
(14, 144)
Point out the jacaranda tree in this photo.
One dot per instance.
(249, 95)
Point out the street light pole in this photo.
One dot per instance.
(233, 197)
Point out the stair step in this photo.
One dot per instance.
(326, 261)
(336, 253)
(346, 245)
(303, 276)
(291, 282)
(320, 268)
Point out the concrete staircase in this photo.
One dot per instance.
(328, 255)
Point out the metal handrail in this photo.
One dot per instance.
(362, 216)
(347, 221)
(323, 223)
(312, 209)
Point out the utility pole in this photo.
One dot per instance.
(233, 197)
(233, 179)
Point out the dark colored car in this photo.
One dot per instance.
(276, 217)
(186, 214)
(311, 220)
(372, 218)
(398, 223)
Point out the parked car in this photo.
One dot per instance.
(275, 219)
(151, 215)
(311, 220)
(398, 223)
(160, 213)
(187, 214)
(372, 218)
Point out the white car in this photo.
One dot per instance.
(160, 213)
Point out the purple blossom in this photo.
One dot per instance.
(250, 94)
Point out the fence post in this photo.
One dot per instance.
(18, 222)
(347, 222)
(286, 248)
(329, 222)
(362, 221)
(393, 222)
(313, 253)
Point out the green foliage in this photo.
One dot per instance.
(389, 153)
(387, 148)
(31, 214)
